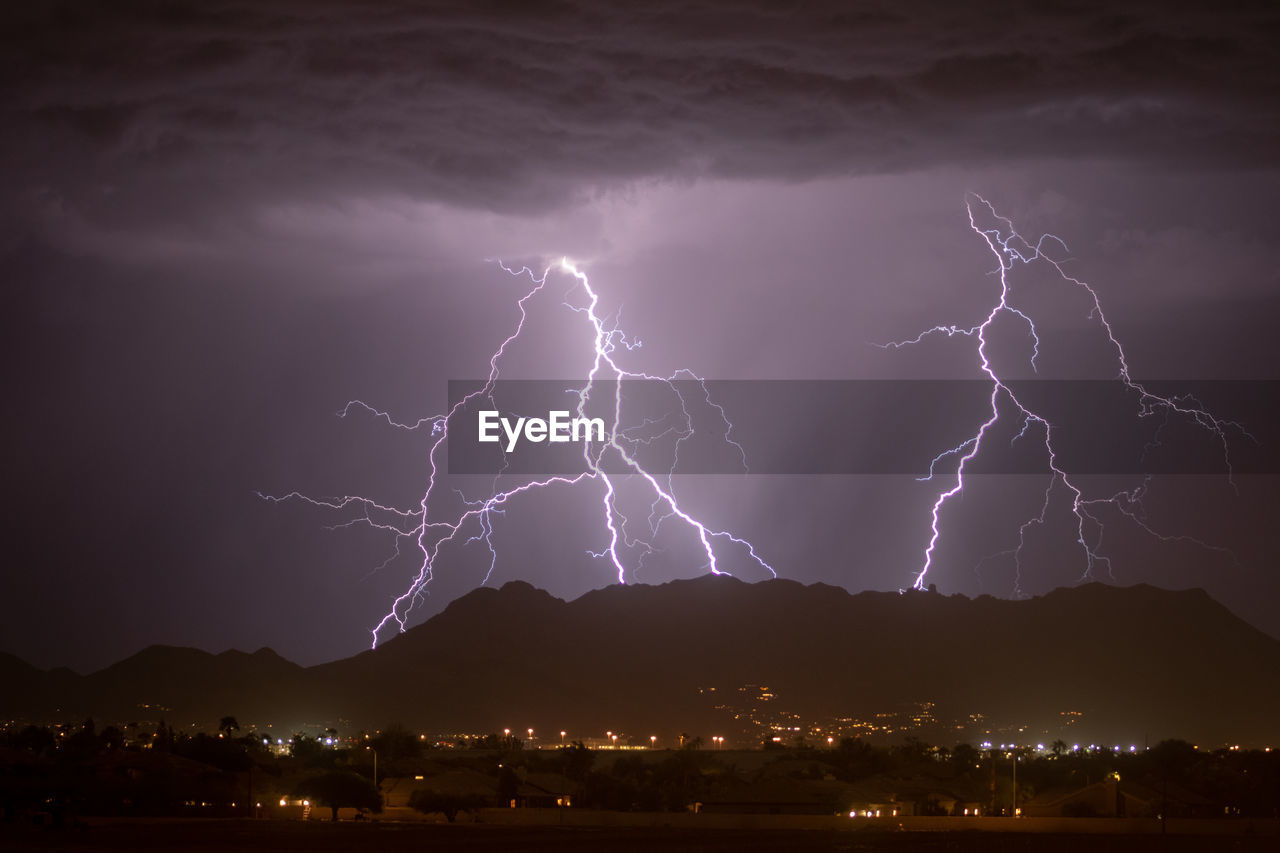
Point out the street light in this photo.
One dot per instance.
(653, 741)
(562, 734)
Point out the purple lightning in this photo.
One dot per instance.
(1010, 248)
(475, 520)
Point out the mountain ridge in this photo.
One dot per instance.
(1124, 660)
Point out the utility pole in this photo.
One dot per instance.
(1014, 812)
(992, 755)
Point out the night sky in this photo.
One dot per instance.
(224, 220)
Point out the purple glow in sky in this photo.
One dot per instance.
(223, 221)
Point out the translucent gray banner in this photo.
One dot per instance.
(526, 427)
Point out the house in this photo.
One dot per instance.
(397, 790)
(1113, 797)
(888, 796)
(544, 791)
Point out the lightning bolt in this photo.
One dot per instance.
(1011, 249)
(474, 519)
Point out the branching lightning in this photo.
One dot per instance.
(1011, 249)
(628, 541)
(474, 522)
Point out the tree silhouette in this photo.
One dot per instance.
(305, 748)
(578, 760)
(340, 789)
(508, 784)
(112, 738)
(446, 804)
(227, 725)
(396, 742)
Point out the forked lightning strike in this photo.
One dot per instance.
(1011, 248)
(474, 521)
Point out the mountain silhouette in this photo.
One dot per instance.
(1092, 663)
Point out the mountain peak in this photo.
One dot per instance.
(685, 655)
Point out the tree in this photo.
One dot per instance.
(112, 738)
(36, 740)
(913, 748)
(489, 741)
(340, 789)
(162, 740)
(508, 784)
(216, 751)
(82, 745)
(856, 759)
(305, 748)
(227, 725)
(396, 742)
(446, 804)
(1058, 747)
(578, 760)
(965, 758)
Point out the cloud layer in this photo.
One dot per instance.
(127, 111)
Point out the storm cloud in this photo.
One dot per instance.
(220, 221)
(144, 113)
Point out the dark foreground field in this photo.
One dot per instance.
(275, 836)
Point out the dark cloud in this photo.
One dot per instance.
(133, 110)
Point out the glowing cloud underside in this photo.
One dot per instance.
(1011, 249)
(432, 531)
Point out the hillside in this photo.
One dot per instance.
(1127, 663)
